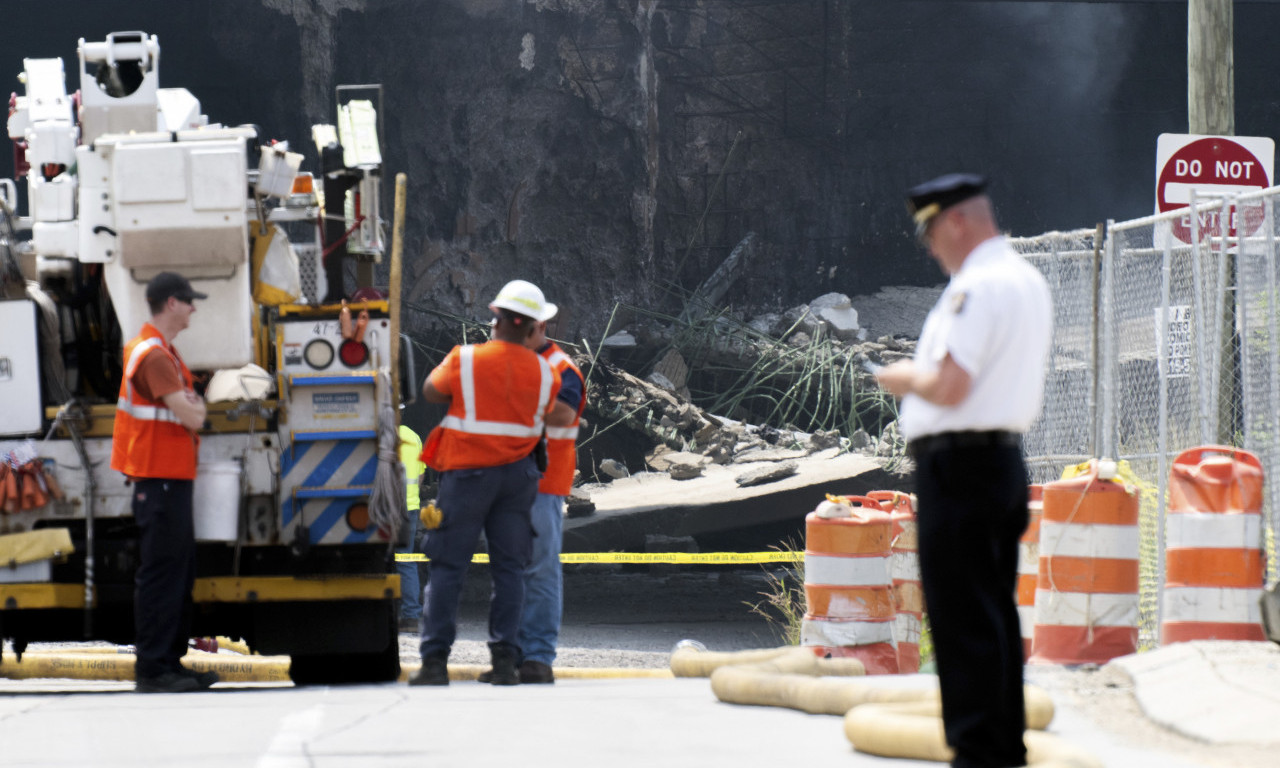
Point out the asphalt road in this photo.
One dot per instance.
(632, 616)
(615, 616)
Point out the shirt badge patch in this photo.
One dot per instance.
(957, 302)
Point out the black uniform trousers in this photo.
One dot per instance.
(166, 573)
(972, 511)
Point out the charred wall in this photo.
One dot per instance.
(617, 150)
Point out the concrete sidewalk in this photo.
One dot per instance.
(619, 723)
(1215, 691)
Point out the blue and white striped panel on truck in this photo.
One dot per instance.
(319, 481)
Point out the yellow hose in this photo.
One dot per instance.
(890, 721)
(689, 661)
(99, 665)
(103, 663)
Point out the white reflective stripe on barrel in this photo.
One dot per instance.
(838, 633)
(1196, 530)
(1212, 604)
(1118, 542)
(904, 566)
(832, 571)
(1073, 609)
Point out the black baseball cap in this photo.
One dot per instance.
(167, 284)
(924, 201)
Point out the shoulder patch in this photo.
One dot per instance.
(957, 302)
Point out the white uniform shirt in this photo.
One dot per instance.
(996, 320)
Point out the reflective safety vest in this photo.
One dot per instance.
(147, 439)
(500, 393)
(562, 456)
(410, 449)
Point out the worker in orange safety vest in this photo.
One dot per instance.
(499, 394)
(155, 444)
(544, 578)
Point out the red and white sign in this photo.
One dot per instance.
(1211, 165)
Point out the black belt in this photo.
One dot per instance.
(944, 441)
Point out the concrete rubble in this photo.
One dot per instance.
(651, 460)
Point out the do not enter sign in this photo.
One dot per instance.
(1211, 165)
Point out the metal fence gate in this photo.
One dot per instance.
(1166, 337)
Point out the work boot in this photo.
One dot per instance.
(166, 682)
(535, 672)
(435, 671)
(203, 679)
(504, 658)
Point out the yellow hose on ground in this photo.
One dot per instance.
(890, 721)
(690, 661)
(914, 730)
(98, 665)
(106, 663)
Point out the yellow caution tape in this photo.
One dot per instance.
(682, 558)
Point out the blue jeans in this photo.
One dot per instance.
(410, 590)
(543, 582)
(497, 501)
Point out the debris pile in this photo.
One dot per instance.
(788, 385)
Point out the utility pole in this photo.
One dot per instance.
(1211, 90)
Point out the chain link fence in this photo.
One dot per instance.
(1166, 337)
(1067, 431)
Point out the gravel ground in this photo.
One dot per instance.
(630, 616)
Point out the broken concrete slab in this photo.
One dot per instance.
(661, 462)
(837, 315)
(629, 509)
(753, 455)
(767, 474)
(684, 471)
(1217, 691)
(619, 340)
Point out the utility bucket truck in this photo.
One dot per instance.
(297, 504)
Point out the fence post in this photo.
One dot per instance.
(1107, 439)
(1100, 236)
(1273, 411)
(1162, 436)
(1197, 282)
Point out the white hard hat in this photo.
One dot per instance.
(524, 298)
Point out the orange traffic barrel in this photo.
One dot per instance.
(1029, 565)
(1214, 562)
(904, 569)
(1086, 606)
(847, 583)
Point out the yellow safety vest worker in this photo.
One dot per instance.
(410, 448)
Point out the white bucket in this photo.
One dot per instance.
(217, 500)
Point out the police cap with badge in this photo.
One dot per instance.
(925, 201)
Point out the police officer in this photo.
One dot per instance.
(154, 443)
(498, 394)
(974, 387)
